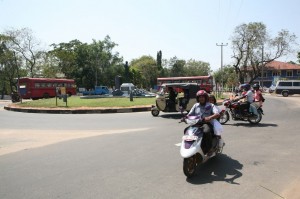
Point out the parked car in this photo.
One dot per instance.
(287, 87)
(271, 89)
(99, 90)
(126, 88)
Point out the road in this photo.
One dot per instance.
(135, 155)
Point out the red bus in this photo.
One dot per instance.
(36, 88)
(205, 82)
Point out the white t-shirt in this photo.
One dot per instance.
(249, 96)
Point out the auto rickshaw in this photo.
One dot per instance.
(185, 98)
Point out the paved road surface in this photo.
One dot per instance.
(134, 155)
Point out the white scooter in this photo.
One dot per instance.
(196, 146)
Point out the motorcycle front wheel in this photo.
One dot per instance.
(189, 166)
(224, 117)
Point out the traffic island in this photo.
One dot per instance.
(79, 110)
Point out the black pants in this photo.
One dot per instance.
(207, 128)
(206, 145)
(243, 106)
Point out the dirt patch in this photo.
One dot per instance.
(13, 140)
(292, 191)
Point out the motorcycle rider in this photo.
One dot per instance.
(210, 115)
(248, 96)
(258, 95)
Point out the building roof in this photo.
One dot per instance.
(278, 65)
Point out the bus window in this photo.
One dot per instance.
(37, 85)
(22, 86)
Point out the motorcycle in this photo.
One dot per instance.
(15, 97)
(232, 108)
(197, 147)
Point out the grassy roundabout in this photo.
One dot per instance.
(76, 101)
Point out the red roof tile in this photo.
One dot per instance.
(278, 65)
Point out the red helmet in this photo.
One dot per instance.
(202, 93)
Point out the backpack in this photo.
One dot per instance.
(262, 98)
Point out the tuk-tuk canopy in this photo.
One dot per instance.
(191, 88)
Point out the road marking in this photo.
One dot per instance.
(178, 144)
(272, 191)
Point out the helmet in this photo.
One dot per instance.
(202, 93)
(246, 86)
(255, 86)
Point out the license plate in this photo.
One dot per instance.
(189, 137)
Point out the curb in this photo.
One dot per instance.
(78, 110)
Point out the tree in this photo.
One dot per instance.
(9, 66)
(227, 74)
(253, 48)
(196, 68)
(298, 57)
(26, 45)
(89, 64)
(67, 57)
(104, 58)
(177, 67)
(146, 68)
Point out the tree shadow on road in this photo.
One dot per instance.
(175, 116)
(219, 168)
(252, 125)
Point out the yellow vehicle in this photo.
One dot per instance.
(183, 98)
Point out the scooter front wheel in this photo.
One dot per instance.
(189, 166)
(155, 113)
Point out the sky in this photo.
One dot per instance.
(187, 29)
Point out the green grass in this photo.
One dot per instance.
(75, 101)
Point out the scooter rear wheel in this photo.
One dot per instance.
(189, 166)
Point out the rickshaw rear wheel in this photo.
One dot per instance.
(155, 113)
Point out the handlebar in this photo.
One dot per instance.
(193, 120)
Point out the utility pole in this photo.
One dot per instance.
(96, 67)
(262, 67)
(222, 61)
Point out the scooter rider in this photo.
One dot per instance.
(210, 115)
